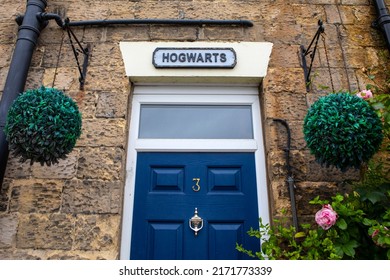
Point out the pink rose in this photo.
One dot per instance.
(326, 217)
(365, 94)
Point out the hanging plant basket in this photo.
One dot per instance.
(342, 130)
(43, 126)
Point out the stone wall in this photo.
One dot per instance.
(73, 210)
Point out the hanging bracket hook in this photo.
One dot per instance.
(85, 51)
(311, 53)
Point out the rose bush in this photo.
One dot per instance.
(326, 217)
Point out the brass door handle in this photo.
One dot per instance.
(196, 222)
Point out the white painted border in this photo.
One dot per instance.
(251, 67)
(201, 95)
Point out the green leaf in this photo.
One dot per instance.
(300, 234)
(388, 254)
(349, 248)
(375, 196)
(342, 224)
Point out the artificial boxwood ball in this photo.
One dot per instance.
(43, 125)
(342, 130)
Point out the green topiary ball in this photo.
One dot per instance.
(43, 125)
(342, 130)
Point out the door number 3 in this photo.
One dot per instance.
(196, 188)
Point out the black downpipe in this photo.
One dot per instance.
(28, 34)
(290, 177)
(383, 21)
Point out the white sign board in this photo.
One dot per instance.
(194, 58)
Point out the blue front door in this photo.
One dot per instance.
(168, 188)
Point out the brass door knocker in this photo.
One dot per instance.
(196, 188)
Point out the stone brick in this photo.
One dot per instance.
(92, 196)
(318, 173)
(3, 77)
(12, 254)
(329, 55)
(306, 191)
(34, 78)
(61, 78)
(98, 79)
(86, 102)
(112, 105)
(361, 36)
(290, 106)
(332, 14)
(278, 135)
(106, 54)
(52, 231)
(287, 56)
(357, 14)
(224, 33)
(59, 55)
(321, 84)
(355, 2)
(35, 196)
(102, 132)
(64, 169)
(123, 33)
(359, 57)
(17, 169)
(308, 14)
(8, 227)
(9, 31)
(97, 232)
(284, 33)
(100, 163)
(82, 255)
(156, 9)
(284, 80)
(4, 195)
(6, 51)
(11, 9)
(281, 205)
(277, 165)
(173, 33)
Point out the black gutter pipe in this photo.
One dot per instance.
(290, 177)
(105, 22)
(28, 34)
(383, 21)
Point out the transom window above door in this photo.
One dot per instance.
(181, 121)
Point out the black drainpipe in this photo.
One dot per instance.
(28, 34)
(383, 21)
(290, 177)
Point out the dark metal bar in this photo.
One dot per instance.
(290, 177)
(28, 34)
(50, 16)
(305, 52)
(105, 22)
(383, 20)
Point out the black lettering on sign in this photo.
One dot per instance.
(194, 58)
(200, 58)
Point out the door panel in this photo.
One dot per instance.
(168, 188)
(165, 241)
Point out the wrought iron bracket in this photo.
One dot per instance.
(77, 48)
(85, 51)
(311, 53)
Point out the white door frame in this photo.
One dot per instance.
(200, 95)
